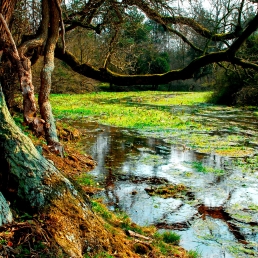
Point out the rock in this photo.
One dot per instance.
(134, 192)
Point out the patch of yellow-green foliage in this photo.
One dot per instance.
(182, 118)
(116, 108)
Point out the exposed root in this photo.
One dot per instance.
(27, 239)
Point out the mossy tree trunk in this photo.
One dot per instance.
(44, 190)
(47, 38)
(5, 212)
(41, 187)
(46, 73)
(21, 63)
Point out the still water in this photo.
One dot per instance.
(208, 218)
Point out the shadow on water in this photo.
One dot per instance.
(207, 217)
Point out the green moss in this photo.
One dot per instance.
(86, 179)
(101, 210)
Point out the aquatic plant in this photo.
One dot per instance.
(168, 237)
(205, 169)
(166, 191)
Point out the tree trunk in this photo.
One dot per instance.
(9, 82)
(5, 213)
(46, 73)
(43, 189)
(23, 67)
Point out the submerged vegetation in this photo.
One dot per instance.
(204, 169)
(167, 191)
(189, 123)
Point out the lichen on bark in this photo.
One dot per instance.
(5, 212)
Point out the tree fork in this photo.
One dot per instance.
(23, 67)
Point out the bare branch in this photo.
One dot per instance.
(62, 23)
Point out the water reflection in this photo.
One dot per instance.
(128, 163)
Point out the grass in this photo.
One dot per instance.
(165, 243)
(100, 255)
(171, 237)
(194, 254)
(168, 237)
(86, 180)
(117, 114)
(174, 116)
(3, 241)
(102, 210)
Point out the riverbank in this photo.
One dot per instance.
(173, 139)
(27, 235)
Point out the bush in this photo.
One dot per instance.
(247, 95)
(226, 86)
(171, 237)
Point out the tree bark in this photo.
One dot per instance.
(42, 188)
(23, 67)
(9, 82)
(46, 73)
(5, 213)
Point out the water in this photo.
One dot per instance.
(214, 218)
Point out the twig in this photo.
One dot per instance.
(9, 35)
(62, 24)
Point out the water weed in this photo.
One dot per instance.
(205, 169)
(167, 191)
